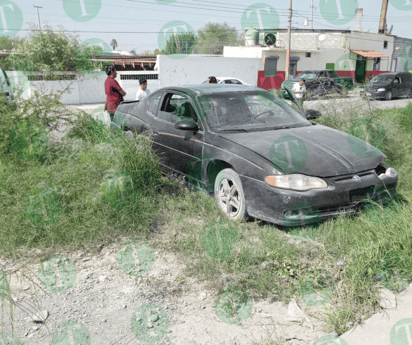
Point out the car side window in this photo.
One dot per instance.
(176, 107)
(396, 80)
(237, 82)
(152, 103)
(406, 78)
(228, 81)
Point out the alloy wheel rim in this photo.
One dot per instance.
(229, 197)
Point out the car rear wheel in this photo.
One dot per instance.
(229, 194)
(388, 96)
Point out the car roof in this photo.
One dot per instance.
(212, 88)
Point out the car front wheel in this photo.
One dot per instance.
(388, 96)
(229, 194)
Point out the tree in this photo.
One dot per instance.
(182, 43)
(214, 36)
(8, 43)
(133, 52)
(114, 44)
(150, 53)
(47, 51)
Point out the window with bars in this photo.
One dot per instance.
(138, 76)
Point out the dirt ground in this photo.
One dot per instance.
(106, 305)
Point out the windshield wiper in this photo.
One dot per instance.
(233, 130)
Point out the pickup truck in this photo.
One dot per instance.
(345, 82)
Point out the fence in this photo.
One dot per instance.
(81, 88)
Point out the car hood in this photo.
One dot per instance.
(325, 152)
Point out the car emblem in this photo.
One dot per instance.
(356, 178)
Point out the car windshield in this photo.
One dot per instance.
(307, 75)
(258, 110)
(382, 78)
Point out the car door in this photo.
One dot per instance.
(405, 84)
(177, 148)
(396, 87)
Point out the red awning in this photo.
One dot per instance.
(369, 53)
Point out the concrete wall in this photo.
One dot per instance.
(399, 46)
(196, 69)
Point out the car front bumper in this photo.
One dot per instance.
(297, 209)
(374, 93)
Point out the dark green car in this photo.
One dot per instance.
(345, 82)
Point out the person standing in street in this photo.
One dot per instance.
(143, 91)
(299, 89)
(114, 93)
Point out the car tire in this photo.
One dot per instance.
(229, 194)
(388, 96)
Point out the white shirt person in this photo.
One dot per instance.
(143, 92)
(299, 89)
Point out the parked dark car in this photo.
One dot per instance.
(322, 88)
(257, 155)
(345, 82)
(389, 85)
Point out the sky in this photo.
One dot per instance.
(136, 24)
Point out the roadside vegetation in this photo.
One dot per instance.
(268, 262)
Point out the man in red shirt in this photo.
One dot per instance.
(114, 93)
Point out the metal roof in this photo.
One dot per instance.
(369, 53)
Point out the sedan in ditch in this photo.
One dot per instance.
(257, 155)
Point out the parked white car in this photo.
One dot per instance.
(228, 80)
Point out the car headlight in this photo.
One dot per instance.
(390, 172)
(295, 182)
(381, 89)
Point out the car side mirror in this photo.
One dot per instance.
(312, 114)
(187, 125)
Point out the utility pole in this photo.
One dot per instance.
(287, 70)
(38, 15)
(382, 20)
(311, 6)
